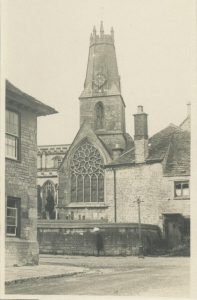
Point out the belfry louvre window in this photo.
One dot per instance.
(12, 135)
(181, 189)
(13, 217)
(87, 175)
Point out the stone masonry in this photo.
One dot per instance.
(21, 183)
(20, 177)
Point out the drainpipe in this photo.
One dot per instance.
(115, 213)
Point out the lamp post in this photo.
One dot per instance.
(140, 254)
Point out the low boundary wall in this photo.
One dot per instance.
(74, 238)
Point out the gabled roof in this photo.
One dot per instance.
(15, 95)
(186, 124)
(127, 158)
(85, 133)
(178, 159)
(171, 143)
(123, 140)
(159, 142)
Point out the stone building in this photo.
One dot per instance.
(22, 111)
(49, 158)
(105, 171)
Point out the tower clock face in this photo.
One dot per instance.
(99, 80)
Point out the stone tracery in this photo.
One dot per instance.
(87, 175)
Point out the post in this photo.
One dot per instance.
(115, 209)
(140, 254)
(56, 212)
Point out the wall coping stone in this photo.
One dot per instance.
(69, 225)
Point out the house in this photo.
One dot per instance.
(22, 110)
(105, 170)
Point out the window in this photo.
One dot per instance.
(13, 217)
(182, 189)
(87, 175)
(56, 161)
(99, 111)
(12, 135)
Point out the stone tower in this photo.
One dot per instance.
(101, 103)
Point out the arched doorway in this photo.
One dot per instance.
(48, 200)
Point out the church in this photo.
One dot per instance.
(105, 171)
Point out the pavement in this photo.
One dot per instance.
(54, 266)
(41, 271)
(125, 276)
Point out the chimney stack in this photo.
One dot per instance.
(141, 135)
(188, 109)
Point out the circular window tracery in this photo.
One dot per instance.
(87, 160)
(87, 175)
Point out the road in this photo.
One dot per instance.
(115, 276)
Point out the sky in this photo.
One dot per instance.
(46, 52)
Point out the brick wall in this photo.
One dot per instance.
(79, 238)
(21, 183)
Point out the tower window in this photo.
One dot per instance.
(87, 175)
(99, 114)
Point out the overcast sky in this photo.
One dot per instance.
(47, 43)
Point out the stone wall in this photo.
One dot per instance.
(64, 170)
(114, 112)
(155, 190)
(20, 182)
(79, 239)
(143, 180)
(21, 252)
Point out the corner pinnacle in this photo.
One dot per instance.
(94, 30)
(101, 29)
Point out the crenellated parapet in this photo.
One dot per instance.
(102, 77)
(102, 38)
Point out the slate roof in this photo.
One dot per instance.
(171, 143)
(129, 141)
(13, 94)
(159, 143)
(178, 159)
(123, 140)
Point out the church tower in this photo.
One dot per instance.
(101, 103)
(101, 138)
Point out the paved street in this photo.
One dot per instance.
(158, 276)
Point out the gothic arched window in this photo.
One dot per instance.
(99, 115)
(87, 175)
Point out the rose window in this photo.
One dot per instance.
(87, 176)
